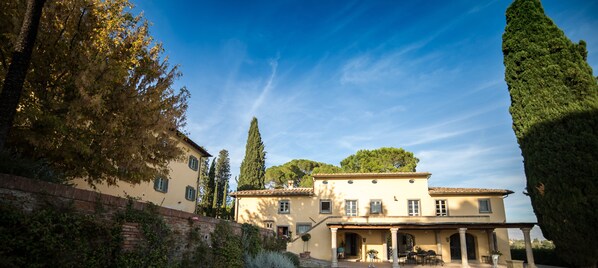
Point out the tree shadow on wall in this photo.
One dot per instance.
(561, 166)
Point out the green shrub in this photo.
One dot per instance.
(273, 243)
(226, 247)
(546, 256)
(250, 239)
(198, 253)
(269, 259)
(156, 247)
(56, 237)
(293, 257)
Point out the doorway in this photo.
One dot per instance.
(352, 244)
(456, 247)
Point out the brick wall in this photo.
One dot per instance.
(29, 194)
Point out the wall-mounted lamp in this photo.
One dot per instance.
(364, 240)
(447, 240)
(396, 198)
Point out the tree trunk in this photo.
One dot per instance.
(15, 77)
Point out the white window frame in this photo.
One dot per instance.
(441, 207)
(375, 203)
(284, 206)
(329, 211)
(413, 207)
(487, 201)
(306, 225)
(351, 210)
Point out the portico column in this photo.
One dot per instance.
(528, 248)
(490, 234)
(333, 236)
(463, 241)
(395, 259)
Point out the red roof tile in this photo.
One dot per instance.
(275, 192)
(466, 191)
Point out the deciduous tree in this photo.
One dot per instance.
(554, 106)
(19, 65)
(299, 171)
(253, 167)
(98, 101)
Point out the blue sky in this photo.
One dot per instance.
(327, 78)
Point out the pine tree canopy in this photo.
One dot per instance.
(253, 167)
(554, 106)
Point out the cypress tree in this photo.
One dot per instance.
(222, 178)
(253, 167)
(554, 106)
(209, 204)
(205, 191)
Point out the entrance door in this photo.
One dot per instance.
(456, 247)
(351, 244)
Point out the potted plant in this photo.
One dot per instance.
(341, 250)
(305, 237)
(372, 254)
(495, 254)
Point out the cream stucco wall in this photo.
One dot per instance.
(181, 176)
(394, 193)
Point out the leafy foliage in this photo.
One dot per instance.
(385, 159)
(98, 101)
(226, 247)
(545, 256)
(253, 167)
(297, 170)
(251, 240)
(56, 237)
(18, 165)
(554, 105)
(269, 259)
(293, 257)
(206, 189)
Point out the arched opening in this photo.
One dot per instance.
(456, 247)
(405, 243)
(352, 245)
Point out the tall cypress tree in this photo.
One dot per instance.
(209, 204)
(554, 105)
(204, 185)
(222, 178)
(253, 167)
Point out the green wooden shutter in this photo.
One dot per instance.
(165, 185)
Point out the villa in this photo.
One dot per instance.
(348, 215)
(177, 191)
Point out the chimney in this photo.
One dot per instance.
(290, 184)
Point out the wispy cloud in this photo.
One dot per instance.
(267, 87)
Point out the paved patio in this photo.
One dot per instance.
(389, 265)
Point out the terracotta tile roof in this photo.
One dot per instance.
(275, 192)
(466, 191)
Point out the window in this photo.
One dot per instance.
(268, 224)
(190, 193)
(282, 231)
(193, 162)
(351, 207)
(303, 228)
(161, 184)
(376, 206)
(325, 206)
(485, 206)
(284, 207)
(441, 208)
(413, 206)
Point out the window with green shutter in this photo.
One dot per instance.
(161, 184)
(190, 193)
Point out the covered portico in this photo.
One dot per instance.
(460, 227)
